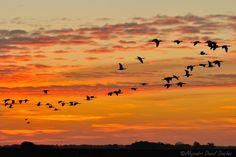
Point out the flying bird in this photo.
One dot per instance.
(180, 84)
(175, 77)
(203, 53)
(210, 65)
(157, 41)
(109, 93)
(217, 62)
(140, 59)
(144, 84)
(196, 42)
(121, 67)
(187, 74)
(226, 47)
(202, 65)
(177, 41)
(190, 67)
(45, 91)
(133, 88)
(167, 85)
(168, 79)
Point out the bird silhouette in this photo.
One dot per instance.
(225, 47)
(45, 91)
(109, 93)
(177, 41)
(202, 65)
(144, 84)
(117, 92)
(133, 88)
(20, 101)
(55, 109)
(168, 79)
(28, 123)
(190, 67)
(180, 84)
(38, 104)
(88, 98)
(210, 65)
(6, 100)
(203, 53)
(167, 85)
(121, 67)
(187, 73)
(26, 100)
(175, 77)
(140, 59)
(157, 41)
(217, 62)
(196, 42)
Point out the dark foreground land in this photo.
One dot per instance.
(144, 149)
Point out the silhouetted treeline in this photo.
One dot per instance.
(142, 148)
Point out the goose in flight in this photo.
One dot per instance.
(121, 67)
(210, 65)
(180, 84)
(196, 42)
(133, 88)
(109, 93)
(217, 62)
(177, 41)
(167, 85)
(187, 74)
(157, 41)
(140, 59)
(144, 84)
(168, 79)
(226, 47)
(203, 53)
(117, 92)
(175, 77)
(38, 104)
(190, 67)
(202, 65)
(6, 100)
(45, 91)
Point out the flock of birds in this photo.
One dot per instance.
(211, 44)
(169, 79)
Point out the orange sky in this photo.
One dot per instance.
(72, 58)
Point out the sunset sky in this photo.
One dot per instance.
(73, 47)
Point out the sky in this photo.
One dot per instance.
(72, 48)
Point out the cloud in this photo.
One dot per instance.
(30, 132)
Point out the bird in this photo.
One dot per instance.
(45, 91)
(26, 100)
(187, 74)
(27, 122)
(203, 53)
(167, 85)
(13, 102)
(88, 98)
(168, 79)
(55, 109)
(109, 93)
(157, 41)
(38, 104)
(190, 67)
(20, 101)
(6, 100)
(175, 77)
(133, 88)
(226, 47)
(203, 65)
(144, 84)
(180, 84)
(177, 41)
(121, 67)
(60, 101)
(210, 65)
(140, 59)
(26, 119)
(117, 92)
(196, 42)
(217, 62)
